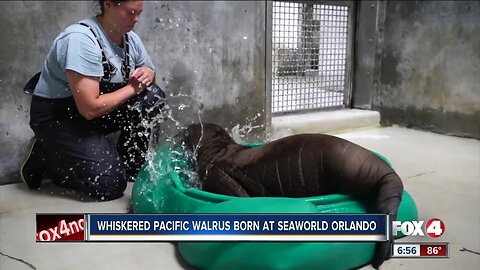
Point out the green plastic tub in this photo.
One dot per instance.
(164, 191)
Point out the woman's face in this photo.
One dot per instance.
(124, 15)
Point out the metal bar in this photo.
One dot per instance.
(268, 64)
(349, 57)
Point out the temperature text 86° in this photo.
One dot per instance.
(420, 250)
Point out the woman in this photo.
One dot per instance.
(93, 83)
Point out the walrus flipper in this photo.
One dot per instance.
(232, 181)
(252, 186)
(390, 190)
(218, 181)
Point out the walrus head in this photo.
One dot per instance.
(205, 135)
(209, 143)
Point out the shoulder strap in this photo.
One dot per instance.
(126, 61)
(108, 68)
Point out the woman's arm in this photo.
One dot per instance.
(86, 93)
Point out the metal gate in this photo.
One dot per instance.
(311, 55)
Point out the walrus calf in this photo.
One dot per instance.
(296, 166)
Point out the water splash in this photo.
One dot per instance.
(163, 129)
(177, 112)
(240, 133)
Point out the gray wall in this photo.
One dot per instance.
(214, 50)
(428, 74)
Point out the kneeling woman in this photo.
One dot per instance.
(95, 81)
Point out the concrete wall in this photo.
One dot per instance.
(214, 50)
(429, 69)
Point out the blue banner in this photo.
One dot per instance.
(366, 227)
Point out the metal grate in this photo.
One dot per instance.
(310, 49)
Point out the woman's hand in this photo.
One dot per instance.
(144, 76)
(137, 85)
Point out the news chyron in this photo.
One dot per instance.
(424, 239)
(413, 239)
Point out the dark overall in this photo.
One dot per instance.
(78, 153)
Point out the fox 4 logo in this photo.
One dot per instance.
(434, 228)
